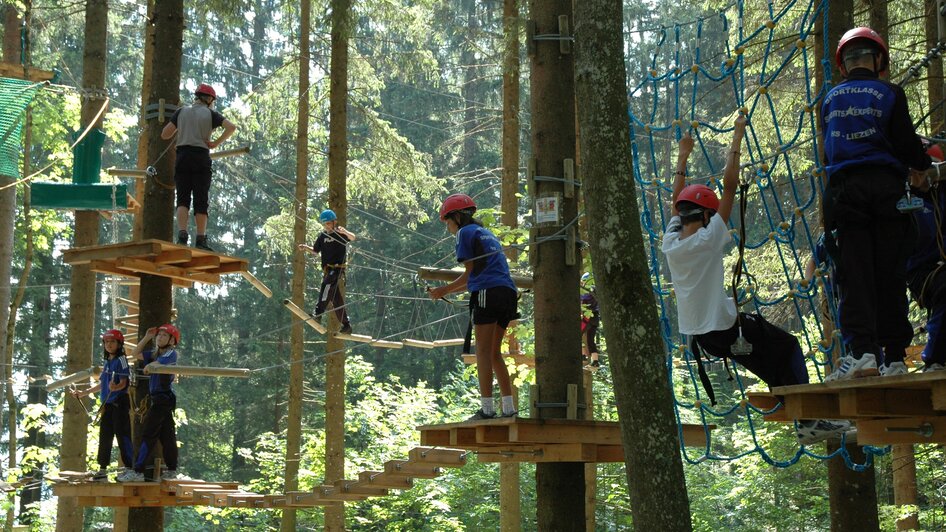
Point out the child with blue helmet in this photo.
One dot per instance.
(332, 247)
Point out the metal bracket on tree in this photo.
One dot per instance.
(564, 36)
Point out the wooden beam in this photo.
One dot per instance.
(812, 406)
(257, 284)
(410, 342)
(441, 274)
(438, 457)
(356, 488)
(411, 469)
(304, 316)
(171, 369)
(144, 248)
(74, 378)
(127, 172)
(243, 150)
(885, 402)
(361, 338)
(173, 256)
(381, 479)
(895, 431)
(449, 342)
(109, 268)
(173, 272)
(13, 70)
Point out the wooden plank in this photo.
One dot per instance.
(353, 487)
(369, 340)
(332, 493)
(449, 343)
(85, 255)
(882, 402)
(173, 256)
(896, 431)
(463, 437)
(173, 272)
(106, 267)
(170, 369)
(812, 406)
(564, 452)
(257, 284)
(130, 304)
(768, 402)
(910, 380)
(938, 396)
(381, 479)
(492, 434)
(103, 489)
(36, 75)
(74, 378)
(236, 266)
(693, 435)
(304, 316)
(437, 456)
(246, 500)
(201, 263)
(410, 342)
(411, 469)
(187, 490)
(546, 433)
(435, 438)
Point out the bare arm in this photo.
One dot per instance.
(144, 343)
(228, 129)
(457, 285)
(348, 234)
(680, 175)
(731, 174)
(117, 386)
(169, 131)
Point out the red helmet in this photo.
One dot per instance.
(701, 195)
(862, 34)
(206, 89)
(456, 202)
(113, 334)
(936, 153)
(172, 330)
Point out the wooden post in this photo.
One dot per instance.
(510, 500)
(903, 463)
(591, 469)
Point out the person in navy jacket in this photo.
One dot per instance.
(869, 147)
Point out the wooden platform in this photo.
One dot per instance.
(183, 265)
(888, 410)
(540, 440)
(519, 359)
(422, 463)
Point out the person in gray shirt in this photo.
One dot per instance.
(193, 170)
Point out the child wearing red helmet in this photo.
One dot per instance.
(193, 168)
(869, 146)
(493, 298)
(695, 243)
(159, 421)
(114, 422)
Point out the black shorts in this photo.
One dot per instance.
(192, 174)
(494, 305)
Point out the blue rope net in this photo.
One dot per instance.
(698, 77)
(15, 96)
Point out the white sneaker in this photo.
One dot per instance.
(814, 430)
(131, 476)
(894, 368)
(852, 368)
(169, 474)
(935, 366)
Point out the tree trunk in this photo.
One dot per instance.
(82, 292)
(510, 507)
(468, 64)
(934, 80)
(11, 53)
(560, 487)
(167, 42)
(143, 137)
(852, 495)
(903, 463)
(638, 360)
(297, 335)
(338, 201)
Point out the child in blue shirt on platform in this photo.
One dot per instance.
(113, 393)
(159, 421)
(493, 298)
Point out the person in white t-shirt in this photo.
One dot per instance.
(695, 243)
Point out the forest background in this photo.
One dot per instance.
(425, 120)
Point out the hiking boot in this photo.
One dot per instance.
(131, 476)
(182, 238)
(894, 368)
(935, 366)
(814, 430)
(480, 415)
(202, 243)
(346, 328)
(853, 368)
(100, 476)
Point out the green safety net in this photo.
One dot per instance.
(15, 96)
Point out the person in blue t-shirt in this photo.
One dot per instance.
(869, 146)
(493, 298)
(113, 389)
(926, 275)
(159, 421)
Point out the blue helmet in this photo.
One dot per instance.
(328, 215)
(585, 276)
